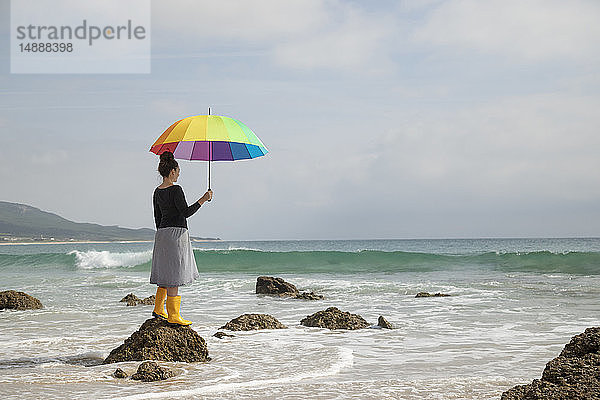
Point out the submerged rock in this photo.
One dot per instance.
(382, 322)
(426, 294)
(129, 297)
(250, 322)
(221, 335)
(333, 318)
(119, 373)
(149, 371)
(278, 287)
(574, 374)
(158, 340)
(309, 296)
(132, 300)
(11, 299)
(148, 301)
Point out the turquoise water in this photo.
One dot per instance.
(514, 304)
(576, 256)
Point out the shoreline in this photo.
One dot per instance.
(96, 242)
(77, 242)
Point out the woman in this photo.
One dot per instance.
(173, 262)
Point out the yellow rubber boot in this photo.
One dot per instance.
(159, 303)
(173, 304)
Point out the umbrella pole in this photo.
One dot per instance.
(209, 156)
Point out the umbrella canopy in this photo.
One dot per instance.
(209, 138)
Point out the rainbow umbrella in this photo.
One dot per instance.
(209, 138)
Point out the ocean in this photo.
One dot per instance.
(514, 304)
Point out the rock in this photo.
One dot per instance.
(382, 322)
(539, 390)
(250, 322)
(129, 297)
(221, 335)
(574, 374)
(583, 344)
(11, 299)
(119, 373)
(309, 296)
(158, 340)
(148, 301)
(425, 294)
(277, 286)
(132, 300)
(149, 371)
(333, 318)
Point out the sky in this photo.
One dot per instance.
(387, 119)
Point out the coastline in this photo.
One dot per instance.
(77, 242)
(99, 242)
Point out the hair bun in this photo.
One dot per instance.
(167, 156)
(167, 163)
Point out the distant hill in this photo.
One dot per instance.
(26, 222)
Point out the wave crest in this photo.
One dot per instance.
(305, 262)
(93, 259)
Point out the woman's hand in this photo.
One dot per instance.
(207, 196)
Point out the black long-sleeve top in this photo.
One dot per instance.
(170, 207)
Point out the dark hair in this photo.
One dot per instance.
(167, 163)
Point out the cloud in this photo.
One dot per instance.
(73, 11)
(247, 21)
(529, 148)
(470, 146)
(531, 30)
(356, 42)
(48, 158)
(297, 34)
(170, 107)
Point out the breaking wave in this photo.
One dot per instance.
(298, 262)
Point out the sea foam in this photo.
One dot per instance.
(93, 259)
(344, 360)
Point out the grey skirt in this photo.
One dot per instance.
(173, 262)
